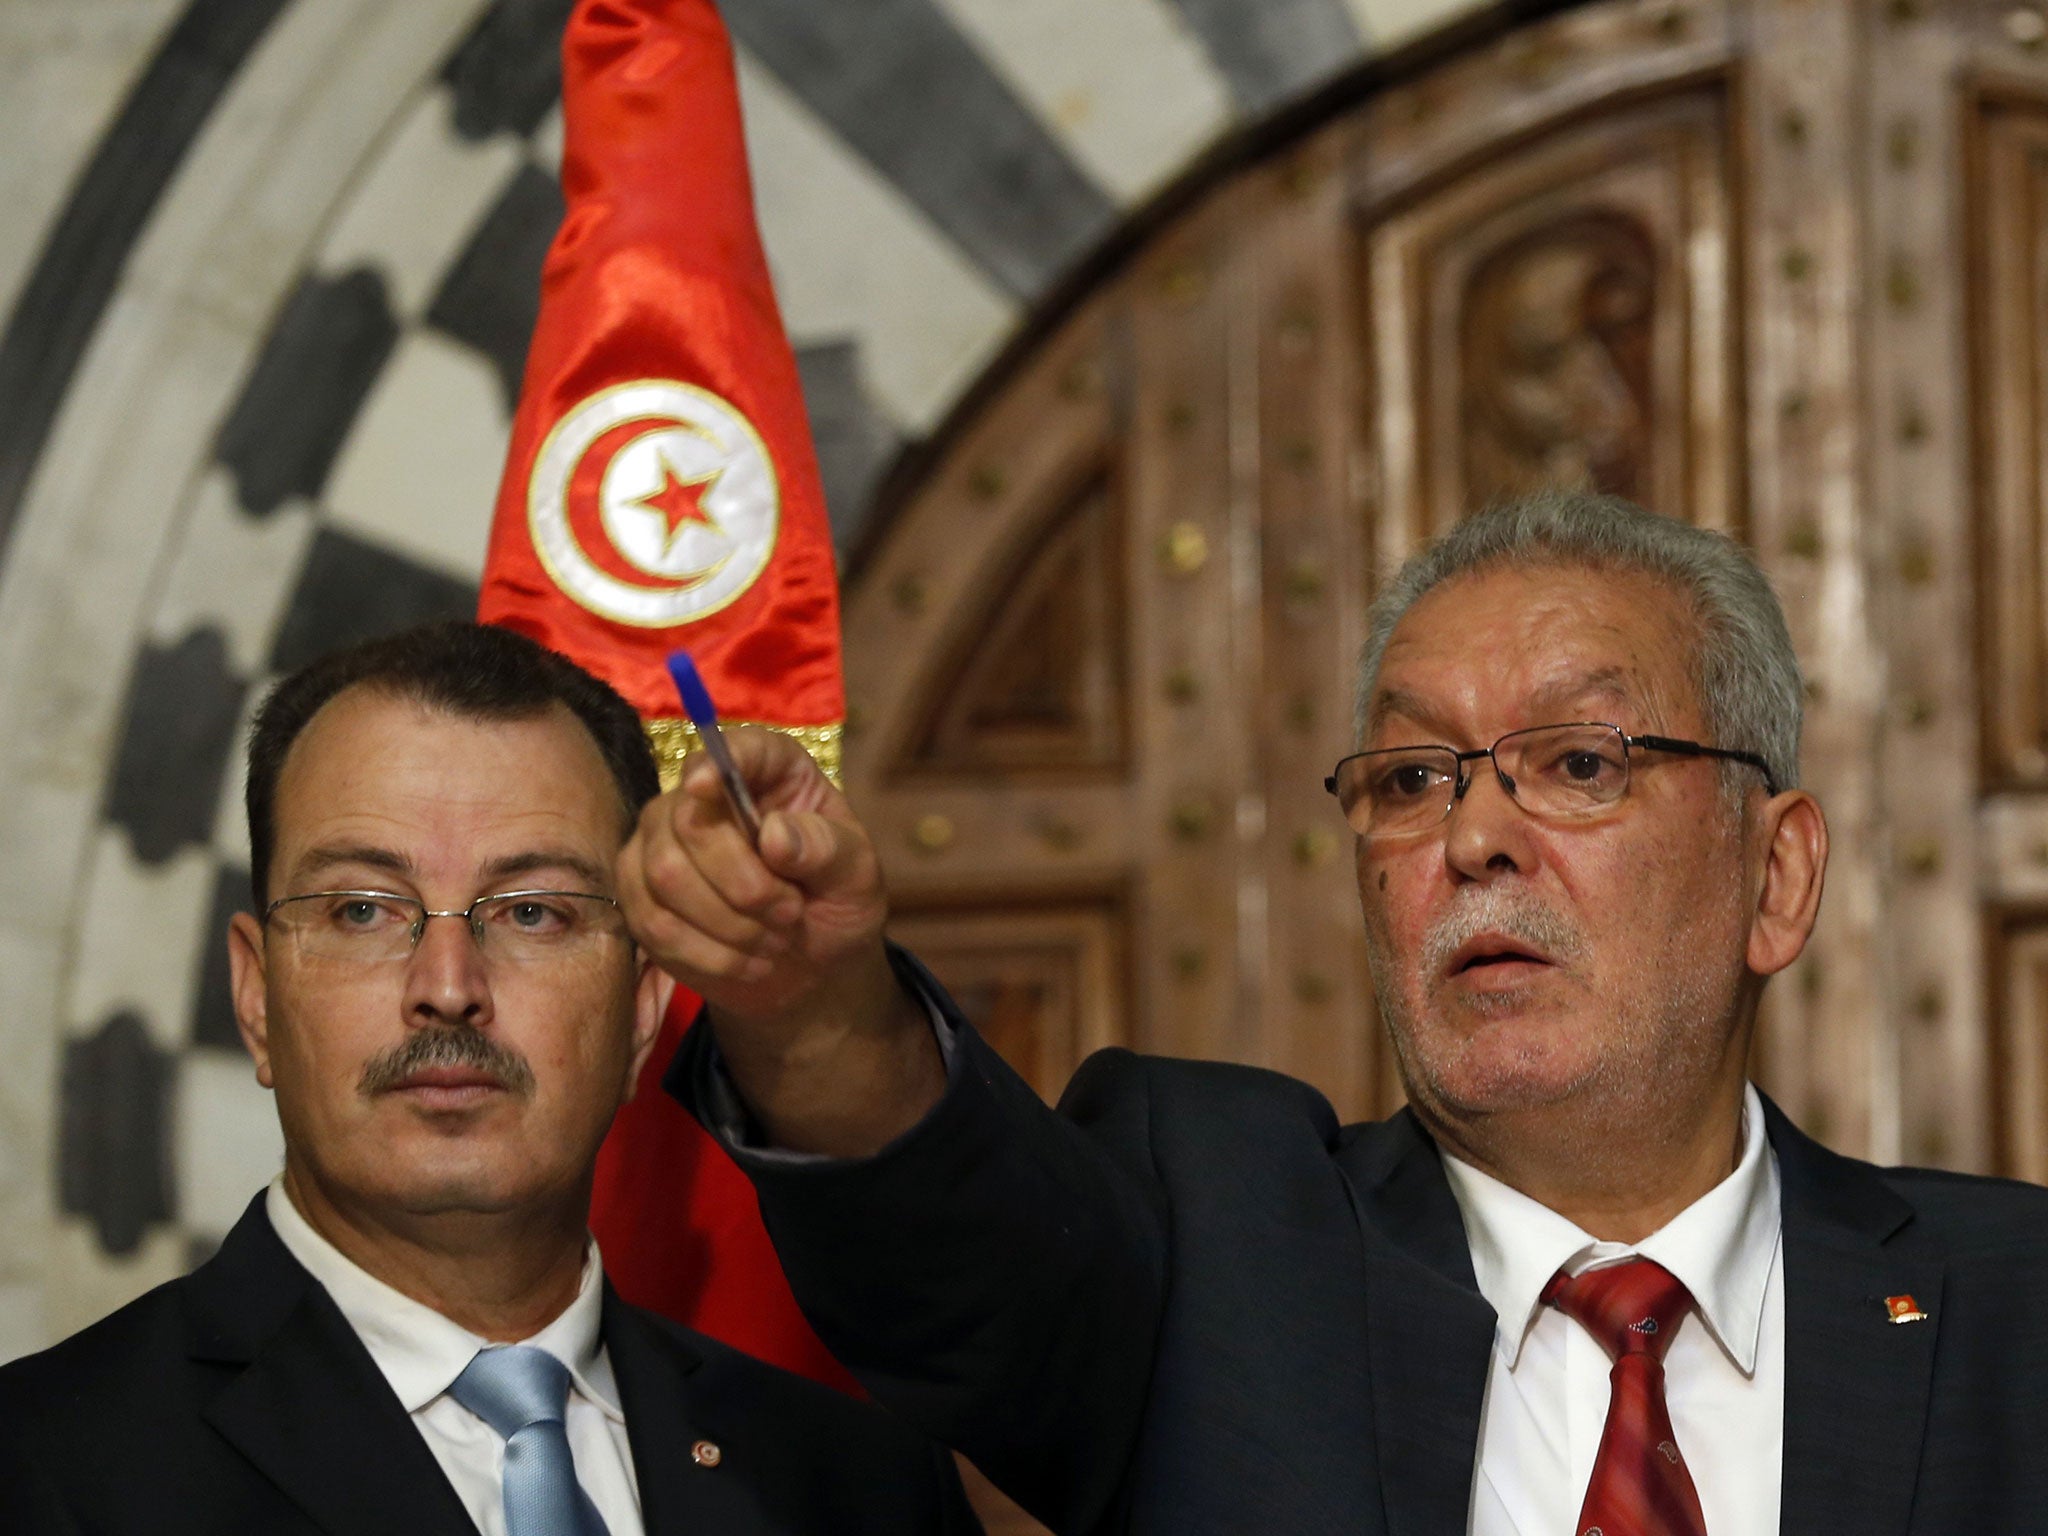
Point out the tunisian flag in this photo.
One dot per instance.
(661, 492)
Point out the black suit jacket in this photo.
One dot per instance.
(1190, 1302)
(238, 1401)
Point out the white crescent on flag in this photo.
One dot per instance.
(688, 503)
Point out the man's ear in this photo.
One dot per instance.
(1795, 862)
(249, 981)
(651, 996)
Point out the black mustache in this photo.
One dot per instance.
(449, 1047)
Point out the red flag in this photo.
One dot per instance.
(661, 491)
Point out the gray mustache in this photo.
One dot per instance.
(1495, 910)
(455, 1047)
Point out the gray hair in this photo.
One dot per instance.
(1745, 672)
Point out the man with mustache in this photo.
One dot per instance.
(1588, 1281)
(410, 1329)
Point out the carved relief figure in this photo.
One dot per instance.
(1555, 347)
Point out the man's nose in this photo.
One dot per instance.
(447, 980)
(1487, 833)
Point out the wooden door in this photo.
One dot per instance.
(1776, 266)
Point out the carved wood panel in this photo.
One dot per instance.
(1041, 685)
(2006, 146)
(2010, 133)
(1045, 984)
(1563, 316)
(2019, 962)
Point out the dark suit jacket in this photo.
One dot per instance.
(1191, 1302)
(238, 1402)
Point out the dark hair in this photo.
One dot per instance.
(474, 671)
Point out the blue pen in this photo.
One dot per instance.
(697, 704)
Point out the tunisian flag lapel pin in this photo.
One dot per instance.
(1903, 1309)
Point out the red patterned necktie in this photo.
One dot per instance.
(1640, 1486)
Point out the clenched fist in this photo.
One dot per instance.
(784, 944)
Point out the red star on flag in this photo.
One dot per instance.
(681, 501)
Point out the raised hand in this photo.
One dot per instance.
(784, 944)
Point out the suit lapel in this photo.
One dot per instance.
(309, 1408)
(677, 1493)
(1430, 1332)
(1856, 1383)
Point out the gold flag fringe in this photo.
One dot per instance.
(674, 739)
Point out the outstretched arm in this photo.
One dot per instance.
(990, 1269)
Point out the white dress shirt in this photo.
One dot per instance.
(1547, 1386)
(421, 1353)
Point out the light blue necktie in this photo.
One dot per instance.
(522, 1393)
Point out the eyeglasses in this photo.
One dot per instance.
(1556, 772)
(371, 927)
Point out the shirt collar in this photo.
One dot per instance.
(1722, 1246)
(421, 1352)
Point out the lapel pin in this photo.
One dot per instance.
(706, 1453)
(1903, 1309)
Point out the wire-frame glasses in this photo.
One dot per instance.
(1556, 772)
(371, 927)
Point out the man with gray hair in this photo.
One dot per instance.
(1588, 1281)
